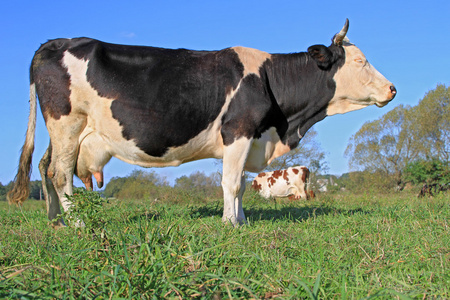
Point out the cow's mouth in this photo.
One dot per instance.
(381, 104)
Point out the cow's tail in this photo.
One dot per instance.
(21, 184)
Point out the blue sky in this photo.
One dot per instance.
(407, 41)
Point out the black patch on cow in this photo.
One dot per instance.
(161, 97)
(51, 79)
(251, 112)
(302, 88)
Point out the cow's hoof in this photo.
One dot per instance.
(230, 220)
(57, 223)
(234, 221)
(242, 222)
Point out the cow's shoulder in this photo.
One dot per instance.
(251, 59)
(253, 109)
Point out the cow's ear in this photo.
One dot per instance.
(322, 55)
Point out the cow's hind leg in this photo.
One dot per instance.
(64, 135)
(233, 181)
(50, 195)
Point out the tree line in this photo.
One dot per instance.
(198, 187)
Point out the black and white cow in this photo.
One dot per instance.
(157, 107)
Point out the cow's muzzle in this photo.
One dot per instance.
(391, 95)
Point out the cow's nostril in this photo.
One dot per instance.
(393, 90)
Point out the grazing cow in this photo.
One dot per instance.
(157, 107)
(283, 183)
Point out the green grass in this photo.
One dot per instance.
(333, 247)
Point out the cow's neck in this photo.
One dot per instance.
(302, 91)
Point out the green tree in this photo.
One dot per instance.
(385, 146)
(140, 184)
(4, 189)
(2, 192)
(198, 180)
(199, 185)
(36, 190)
(114, 186)
(432, 119)
(149, 176)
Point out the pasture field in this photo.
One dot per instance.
(336, 246)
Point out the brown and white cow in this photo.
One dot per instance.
(292, 181)
(158, 107)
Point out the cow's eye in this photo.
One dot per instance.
(359, 61)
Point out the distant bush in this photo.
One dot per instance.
(365, 181)
(4, 189)
(138, 185)
(432, 171)
(195, 188)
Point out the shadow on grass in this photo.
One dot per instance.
(297, 214)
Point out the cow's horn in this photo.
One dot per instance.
(338, 38)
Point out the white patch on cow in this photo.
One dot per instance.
(252, 59)
(358, 84)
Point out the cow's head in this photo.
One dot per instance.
(358, 83)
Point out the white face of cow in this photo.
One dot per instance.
(358, 84)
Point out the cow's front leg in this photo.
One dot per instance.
(233, 189)
(233, 181)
